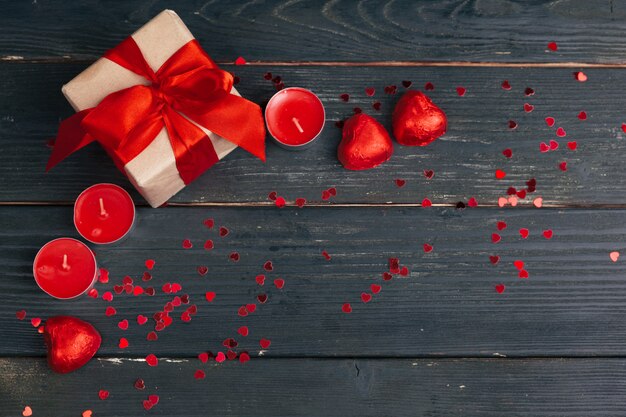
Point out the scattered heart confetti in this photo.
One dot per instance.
(123, 324)
(280, 202)
(582, 115)
(560, 132)
(265, 343)
(224, 231)
(500, 288)
(512, 200)
(528, 107)
(494, 259)
(150, 263)
(550, 121)
(300, 202)
(234, 256)
(429, 173)
(268, 266)
(500, 174)
(344, 97)
(139, 384)
(147, 405)
(35, 321)
(154, 399)
(547, 234)
(27, 412)
(543, 147)
(523, 233)
(141, 320)
(614, 256)
(552, 46)
(210, 296)
(538, 202)
(519, 264)
(243, 330)
(461, 91)
(202, 270)
(262, 298)
(203, 357)
(21, 315)
(365, 297)
(375, 288)
(208, 245)
(240, 61)
(508, 153)
(279, 283)
(199, 374)
(103, 394)
(580, 76)
(428, 248)
(376, 105)
(220, 357)
(152, 360)
(370, 91)
(390, 89)
(495, 238)
(110, 311)
(523, 274)
(326, 255)
(572, 145)
(346, 308)
(107, 296)
(529, 91)
(426, 203)
(563, 166)
(93, 293)
(87, 413)
(406, 83)
(429, 86)
(244, 357)
(506, 85)
(500, 225)
(209, 223)
(512, 124)
(187, 244)
(472, 202)
(260, 279)
(123, 343)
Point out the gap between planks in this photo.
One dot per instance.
(16, 59)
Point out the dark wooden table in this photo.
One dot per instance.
(439, 342)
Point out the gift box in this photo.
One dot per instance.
(161, 108)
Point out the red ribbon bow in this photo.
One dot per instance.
(187, 87)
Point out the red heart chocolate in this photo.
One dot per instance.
(71, 343)
(365, 143)
(417, 121)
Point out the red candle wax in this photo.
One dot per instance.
(65, 268)
(294, 117)
(104, 213)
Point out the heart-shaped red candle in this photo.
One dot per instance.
(71, 343)
(365, 143)
(417, 121)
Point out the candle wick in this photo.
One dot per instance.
(103, 212)
(297, 123)
(65, 265)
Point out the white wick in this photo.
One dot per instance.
(297, 123)
(65, 265)
(103, 212)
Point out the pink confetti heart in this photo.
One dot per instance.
(502, 201)
(614, 256)
(123, 324)
(560, 132)
(220, 357)
(538, 202)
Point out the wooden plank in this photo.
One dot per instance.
(464, 160)
(334, 387)
(572, 304)
(279, 30)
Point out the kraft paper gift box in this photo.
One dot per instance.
(153, 171)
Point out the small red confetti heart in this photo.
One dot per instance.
(429, 86)
(550, 121)
(280, 202)
(365, 297)
(624, 127)
(150, 291)
(529, 91)
(204, 357)
(154, 399)
(300, 202)
(27, 411)
(519, 264)
(543, 147)
(521, 194)
(127, 280)
(250, 308)
(547, 234)
(93, 293)
(110, 311)
(118, 289)
(346, 308)
(500, 174)
(494, 259)
(506, 85)
(461, 91)
(185, 316)
(495, 238)
(187, 244)
(141, 320)
(223, 231)
(199, 374)
(209, 223)
(472, 202)
(139, 384)
(572, 145)
(220, 357)
(262, 298)
(325, 195)
(390, 89)
(552, 46)
(406, 84)
(123, 343)
(357, 110)
(344, 97)
(501, 225)
(104, 276)
(582, 115)
(107, 296)
(208, 245)
(326, 255)
(87, 413)
(268, 266)
(554, 145)
(240, 61)
(400, 182)
(123, 324)
(147, 405)
(147, 276)
(426, 203)
(268, 76)
(242, 312)
(260, 279)
(152, 360)
(279, 283)
(580, 76)
(523, 232)
(103, 394)
(428, 248)
(370, 91)
(528, 107)
(243, 330)
(265, 343)
(387, 276)
(375, 288)
(523, 274)
(563, 166)
(507, 153)
(35, 321)
(560, 132)
(404, 271)
(210, 296)
(137, 291)
(234, 256)
(21, 315)
(202, 270)
(244, 357)
(376, 105)
(150, 263)
(176, 287)
(429, 173)
(272, 195)
(500, 288)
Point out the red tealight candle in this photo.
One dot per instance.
(104, 213)
(65, 268)
(295, 117)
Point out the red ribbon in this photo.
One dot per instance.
(188, 86)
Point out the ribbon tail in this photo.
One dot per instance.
(235, 119)
(70, 138)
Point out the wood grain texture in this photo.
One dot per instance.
(342, 30)
(333, 387)
(464, 160)
(572, 304)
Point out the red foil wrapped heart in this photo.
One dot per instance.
(417, 121)
(365, 143)
(71, 343)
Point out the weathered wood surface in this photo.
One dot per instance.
(278, 30)
(464, 160)
(573, 303)
(328, 387)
